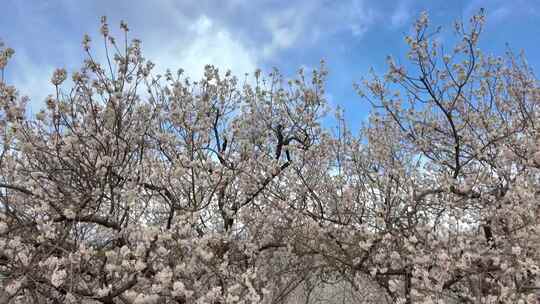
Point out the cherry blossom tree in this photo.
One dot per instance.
(459, 195)
(135, 187)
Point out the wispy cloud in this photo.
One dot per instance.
(234, 35)
(206, 44)
(31, 79)
(241, 35)
(401, 15)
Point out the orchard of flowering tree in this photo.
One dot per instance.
(133, 187)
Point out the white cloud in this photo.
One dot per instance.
(359, 16)
(285, 28)
(189, 35)
(400, 16)
(206, 43)
(31, 79)
(305, 23)
(499, 14)
(498, 11)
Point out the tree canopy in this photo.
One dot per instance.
(133, 187)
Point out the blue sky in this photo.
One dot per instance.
(352, 36)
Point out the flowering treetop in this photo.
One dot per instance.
(133, 187)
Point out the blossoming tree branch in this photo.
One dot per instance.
(132, 187)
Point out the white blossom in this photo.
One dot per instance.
(58, 77)
(58, 277)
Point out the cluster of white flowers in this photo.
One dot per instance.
(58, 277)
(146, 299)
(70, 299)
(104, 30)
(103, 291)
(58, 76)
(13, 286)
(69, 213)
(86, 45)
(179, 289)
(5, 55)
(222, 191)
(3, 226)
